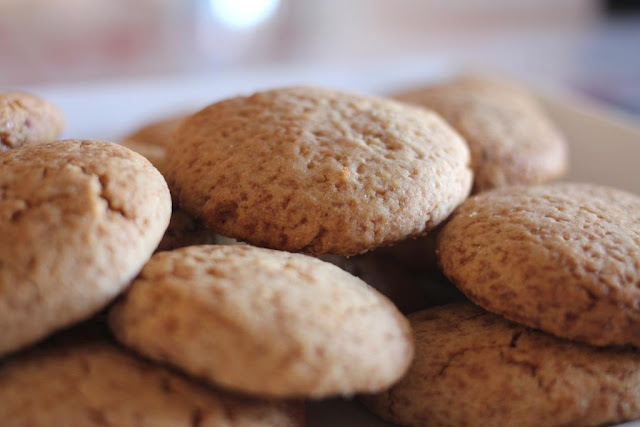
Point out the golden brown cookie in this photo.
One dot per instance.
(78, 220)
(473, 368)
(511, 139)
(318, 171)
(152, 140)
(264, 322)
(27, 119)
(99, 384)
(564, 258)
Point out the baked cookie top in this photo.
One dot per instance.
(319, 171)
(27, 119)
(564, 258)
(78, 220)
(264, 322)
(475, 368)
(98, 384)
(511, 139)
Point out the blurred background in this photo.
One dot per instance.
(590, 46)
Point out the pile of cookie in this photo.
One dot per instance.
(209, 269)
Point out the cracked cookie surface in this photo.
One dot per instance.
(99, 384)
(473, 368)
(564, 258)
(318, 171)
(264, 322)
(511, 139)
(26, 119)
(78, 219)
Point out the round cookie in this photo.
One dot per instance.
(318, 171)
(152, 140)
(474, 368)
(511, 139)
(563, 258)
(78, 220)
(97, 383)
(264, 322)
(27, 119)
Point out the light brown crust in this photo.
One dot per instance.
(511, 139)
(474, 368)
(564, 258)
(99, 384)
(26, 119)
(78, 220)
(264, 322)
(318, 171)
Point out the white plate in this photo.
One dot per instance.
(605, 147)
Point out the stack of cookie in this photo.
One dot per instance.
(242, 334)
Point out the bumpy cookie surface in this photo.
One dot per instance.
(511, 139)
(153, 139)
(564, 258)
(99, 384)
(318, 171)
(27, 119)
(264, 322)
(78, 220)
(474, 368)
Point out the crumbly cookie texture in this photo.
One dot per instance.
(152, 140)
(26, 119)
(511, 139)
(98, 384)
(475, 368)
(264, 322)
(563, 258)
(318, 171)
(78, 220)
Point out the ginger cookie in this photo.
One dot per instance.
(563, 258)
(264, 322)
(319, 171)
(152, 140)
(78, 220)
(474, 368)
(26, 119)
(511, 139)
(97, 383)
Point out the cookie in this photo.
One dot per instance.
(511, 139)
(563, 258)
(152, 140)
(78, 220)
(184, 231)
(26, 119)
(473, 368)
(264, 322)
(99, 384)
(318, 171)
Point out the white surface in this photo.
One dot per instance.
(605, 148)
